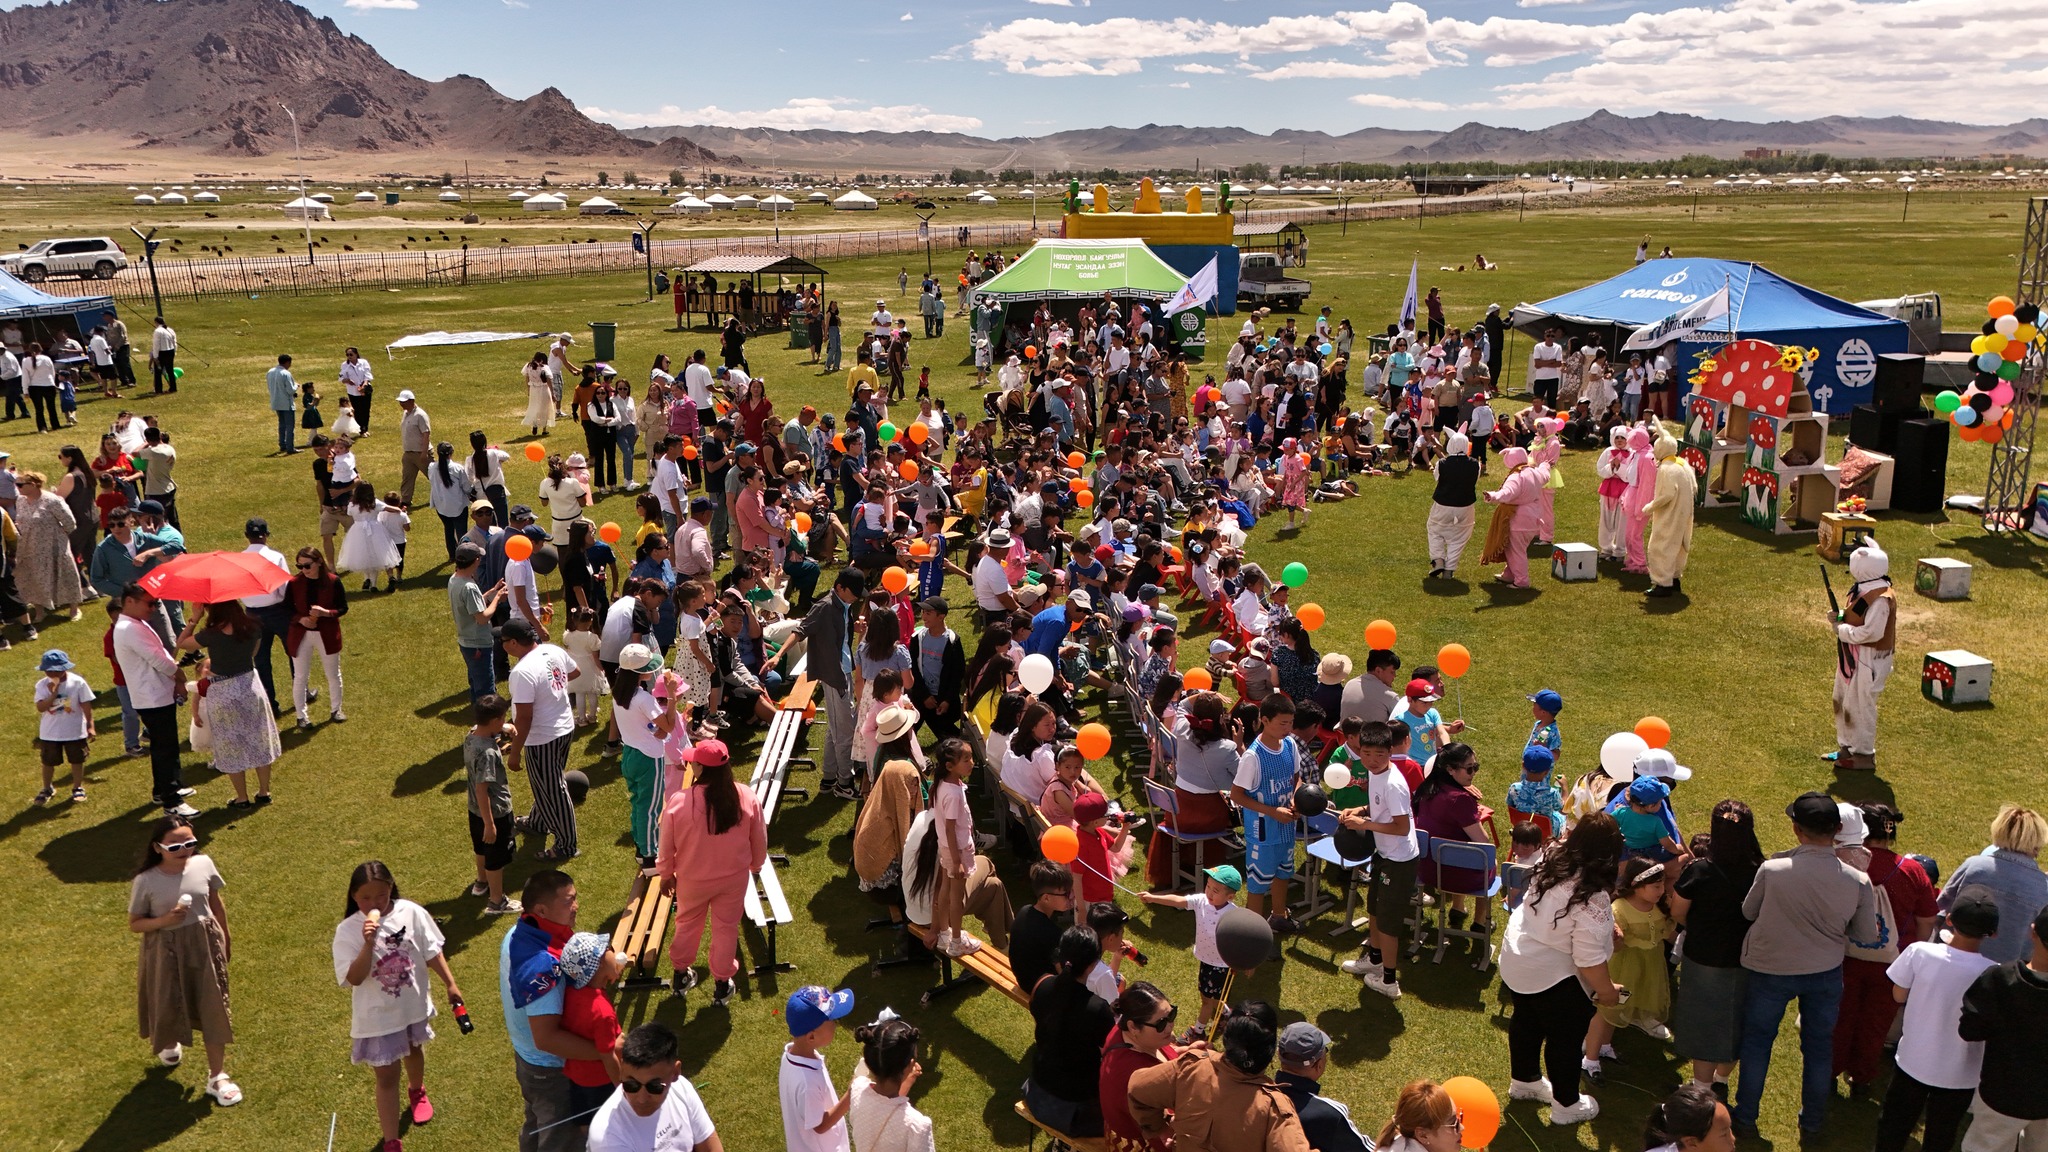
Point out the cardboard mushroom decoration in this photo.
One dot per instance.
(1756, 375)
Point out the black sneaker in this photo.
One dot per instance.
(721, 992)
(683, 982)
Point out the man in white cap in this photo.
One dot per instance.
(1452, 509)
(1671, 509)
(992, 592)
(415, 443)
(1866, 635)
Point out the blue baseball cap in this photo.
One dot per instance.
(811, 1006)
(56, 660)
(1648, 790)
(1548, 700)
(1536, 758)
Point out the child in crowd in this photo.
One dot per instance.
(1544, 706)
(955, 831)
(1106, 851)
(1222, 669)
(110, 497)
(491, 836)
(1351, 754)
(1389, 816)
(64, 726)
(580, 639)
(1398, 744)
(1644, 926)
(588, 967)
(1220, 886)
(1417, 711)
(199, 733)
(1590, 794)
(309, 404)
(396, 523)
(1534, 799)
(1068, 783)
(1106, 979)
(813, 1112)
(1648, 829)
(1264, 791)
(368, 550)
(1938, 1071)
(1527, 847)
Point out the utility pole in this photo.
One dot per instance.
(1907, 206)
(149, 258)
(647, 244)
(1344, 228)
(305, 185)
(925, 210)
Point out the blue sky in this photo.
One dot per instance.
(1027, 67)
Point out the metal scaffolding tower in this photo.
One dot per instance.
(2008, 492)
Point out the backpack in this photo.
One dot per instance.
(1885, 948)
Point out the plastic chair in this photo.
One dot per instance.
(1467, 856)
(1322, 851)
(1165, 803)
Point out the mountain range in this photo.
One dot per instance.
(172, 78)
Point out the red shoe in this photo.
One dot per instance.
(394, 1145)
(422, 1109)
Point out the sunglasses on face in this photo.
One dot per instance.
(308, 567)
(182, 846)
(1164, 1023)
(651, 1087)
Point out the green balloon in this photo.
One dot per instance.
(1947, 402)
(1294, 575)
(886, 431)
(2010, 370)
(177, 373)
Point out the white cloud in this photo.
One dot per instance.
(1344, 70)
(1377, 100)
(1180, 84)
(907, 17)
(1201, 69)
(1060, 3)
(366, 5)
(833, 112)
(514, 3)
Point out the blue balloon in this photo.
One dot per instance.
(1989, 361)
(1324, 349)
(1964, 416)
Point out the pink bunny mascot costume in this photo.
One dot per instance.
(1640, 471)
(1520, 490)
(1546, 451)
(1612, 485)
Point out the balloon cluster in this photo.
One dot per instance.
(1982, 410)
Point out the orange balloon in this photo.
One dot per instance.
(838, 442)
(1093, 741)
(1454, 659)
(1655, 731)
(1479, 1107)
(1999, 306)
(1311, 616)
(803, 522)
(536, 453)
(1198, 680)
(1076, 460)
(1174, 549)
(1059, 844)
(1078, 484)
(918, 433)
(895, 579)
(920, 549)
(689, 451)
(1972, 434)
(1031, 351)
(1379, 634)
(1085, 498)
(519, 547)
(907, 470)
(2014, 350)
(609, 532)
(1991, 435)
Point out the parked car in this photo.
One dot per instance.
(1263, 281)
(87, 257)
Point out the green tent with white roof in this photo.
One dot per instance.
(1083, 270)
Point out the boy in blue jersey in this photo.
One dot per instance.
(1264, 792)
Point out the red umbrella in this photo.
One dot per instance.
(211, 577)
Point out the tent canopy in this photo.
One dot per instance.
(1084, 269)
(43, 313)
(1761, 305)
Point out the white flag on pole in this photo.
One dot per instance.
(1199, 290)
(1680, 324)
(1408, 302)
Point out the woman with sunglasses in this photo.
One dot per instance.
(1143, 1038)
(1426, 1119)
(318, 602)
(182, 981)
(383, 949)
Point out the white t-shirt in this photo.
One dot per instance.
(697, 380)
(1930, 1050)
(541, 678)
(636, 723)
(949, 802)
(1206, 917)
(679, 1125)
(617, 630)
(73, 707)
(395, 995)
(1028, 776)
(1236, 392)
(1103, 981)
(519, 581)
(1544, 944)
(991, 581)
(1386, 798)
(807, 1095)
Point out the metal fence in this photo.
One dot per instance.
(331, 272)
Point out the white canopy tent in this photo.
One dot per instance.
(546, 202)
(306, 208)
(856, 200)
(595, 206)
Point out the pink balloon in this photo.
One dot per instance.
(2001, 395)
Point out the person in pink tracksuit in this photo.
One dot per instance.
(712, 842)
(1640, 471)
(1520, 490)
(1546, 450)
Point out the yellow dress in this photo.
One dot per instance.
(1638, 965)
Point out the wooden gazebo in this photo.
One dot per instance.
(1283, 238)
(731, 285)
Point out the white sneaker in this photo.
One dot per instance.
(1530, 1090)
(961, 944)
(984, 841)
(1358, 966)
(1654, 1028)
(1584, 1110)
(1380, 984)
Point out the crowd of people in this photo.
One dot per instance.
(1007, 575)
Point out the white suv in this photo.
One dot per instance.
(88, 258)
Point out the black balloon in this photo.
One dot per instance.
(1990, 326)
(1310, 801)
(1243, 938)
(2027, 313)
(1353, 844)
(579, 785)
(1981, 402)
(546, 559)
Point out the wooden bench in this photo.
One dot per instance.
(766, 907)
(641, 931)
(1057, 1139)
(988, 964)
(779, 747)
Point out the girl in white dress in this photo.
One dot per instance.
(540, 394)
(368, 549)
(397, 524)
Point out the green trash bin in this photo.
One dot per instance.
(391, 198)
(604, 335)
(799, 329)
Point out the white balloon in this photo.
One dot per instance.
(1336, 776)
(2006, 325)
(1035, 673)
(1618, 754)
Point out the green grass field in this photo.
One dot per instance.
(1742, 672)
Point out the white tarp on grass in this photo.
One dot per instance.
(445, 339)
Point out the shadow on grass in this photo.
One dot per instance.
(426, 774)
(1499, 595)
(1861, 788)
(153, 1113)
(1448, 586)
(105, 853)
(1666, 605)
(2016, 550)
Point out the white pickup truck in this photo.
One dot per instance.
(1263, 283)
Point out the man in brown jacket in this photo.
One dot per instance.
(1224, 1102)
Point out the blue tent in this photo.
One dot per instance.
(25, 302)
(1762, 305)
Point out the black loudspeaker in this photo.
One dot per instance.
(1921, 475)
(1878, 431)
(1900, 376)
